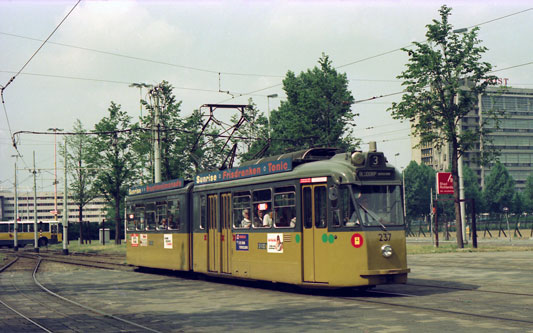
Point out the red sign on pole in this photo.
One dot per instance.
(444, 183)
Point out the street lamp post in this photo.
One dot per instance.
(55, 130)
(268, 110)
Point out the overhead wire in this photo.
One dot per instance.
(3, 88)
(401, 48)
(146, 59)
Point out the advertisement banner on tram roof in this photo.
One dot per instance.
(260, 169)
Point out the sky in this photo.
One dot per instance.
(104, 46)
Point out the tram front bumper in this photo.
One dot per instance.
(375, 272)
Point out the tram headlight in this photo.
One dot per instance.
(386, 251)
(358, 158)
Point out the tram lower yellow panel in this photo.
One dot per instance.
(156, 251)
(261, 263)
(337, 262)
(199, 253)
(365, 265)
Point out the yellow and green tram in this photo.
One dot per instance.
(48, 232)
(314, 218)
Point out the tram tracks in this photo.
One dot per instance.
(431, 309)
(48, 311)
(508, 293)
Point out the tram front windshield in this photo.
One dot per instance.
(378, 205)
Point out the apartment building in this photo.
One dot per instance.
(513, 139)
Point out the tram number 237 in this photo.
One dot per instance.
(385, 237)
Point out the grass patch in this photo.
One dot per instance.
(75, 247)
(450, 248)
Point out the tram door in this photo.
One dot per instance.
(213, 237)
(219, 229)
(226, 241)
(314, 214)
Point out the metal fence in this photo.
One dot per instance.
(488, 226)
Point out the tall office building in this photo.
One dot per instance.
(514, 138)
(92, 212)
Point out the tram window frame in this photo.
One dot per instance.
(321, 210)
(44, 227)
(333, 195)
(150, 216)
(344, 210)
(203, 211)
(140, 217)
(241, 201)
(284, 208)
(161, 221)
(261, 197)
(173, 214)
(307, 210)
(130, 217)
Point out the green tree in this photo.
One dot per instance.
(528, 194)
(81, 185)
(317, 111)
(517, 203)
(499, 188)
(113, 157)
(419, 180)
(472, 189)
(163, 101)
(252, 135)
(185, 150)
(435, 99)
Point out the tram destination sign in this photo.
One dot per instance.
(156, 187)
(367, 174)
(260, 169)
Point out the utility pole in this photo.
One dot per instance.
(268, 111)
(15, 240)
(35, 235)
(55, 130)
(157, 150)
(65, 205)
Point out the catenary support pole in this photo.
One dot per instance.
(65, 206)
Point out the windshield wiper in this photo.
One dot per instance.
(374, 216)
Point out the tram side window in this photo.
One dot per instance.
(307, 209)
(321, 214)
(349, 217)
(140, 221)
(203, 212)
(130, 216)
(4, 227)
(242, 218)
(161, 216)
(150, 216)
(44, 227)
(285, 207)
(334, 202)
(262, 205)
(31, 228)
(173, 215)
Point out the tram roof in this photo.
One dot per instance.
(298, 157)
